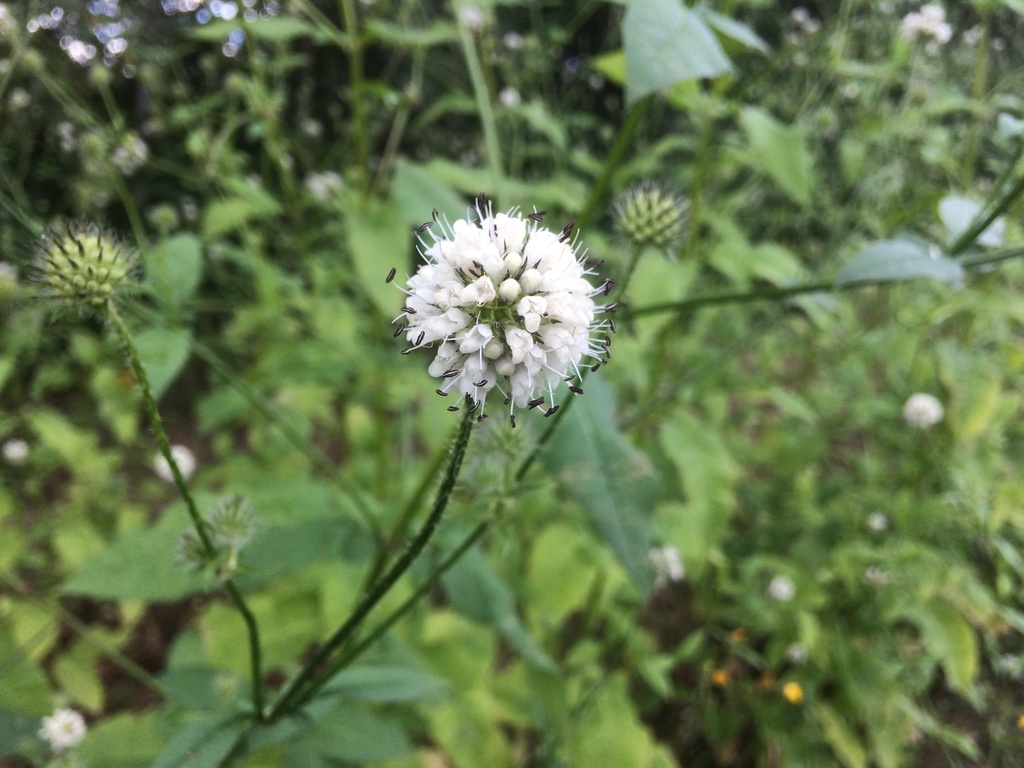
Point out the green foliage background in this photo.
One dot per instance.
(750, 416)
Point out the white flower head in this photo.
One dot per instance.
(922, 410)
(130, 155)
(506, 305)
(8, 272)
(472, 17)
(183, 457)
(510, 97)
(62, 730)
(782, 588)
(15, 451)
(324, 186)
(878, 522)
(796, 653)
(668, 565)
(927, 25)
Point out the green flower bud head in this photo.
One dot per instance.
(83, 265)
(191, 552)
(233, 522)
(650, 215)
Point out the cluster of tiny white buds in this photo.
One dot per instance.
(782, 588)
(507, 305)
(928, 24)
(15, 451)
(64, 729)
(183, 457)
(83, 265)
(922, 410)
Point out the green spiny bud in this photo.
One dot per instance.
(83, 265)
(650, 215)
(191, 552)
(233, 522)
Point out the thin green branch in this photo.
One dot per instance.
(483, 105)
(190, 504)
(302, 684)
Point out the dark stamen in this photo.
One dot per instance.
(419, 339)
(481, 417)
(594, 367)
(481, 383)
(409, 310)
(512, 418)
(391, 275)
(612, 307)
(536, 215)
(434, 214)
(453, 408)
(611, 324)
(508, 398)
(535, 403)
(441, 392)
(424, 227)
(399, 329)
(449, 373)
(575, 390)
(551, 410)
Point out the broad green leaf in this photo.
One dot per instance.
(249, 201)
(893, 260)
(173, 269)
(77, 449)
(607, 732)
(124, 740)
(203, 744)
(611, 479)
(476, 591)
(958, 213)
(25, 689)
(355, 735)
(731, 28)
(378, 241)
(781, 152)
(951, 639)
(417, 193)
(841, 738)
(77, 673)
(17, 731)
(611, 65)
(386, 684)
(139, 565)
(164, 352)
(561, 572)
(666, 43)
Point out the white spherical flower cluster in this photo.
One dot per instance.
(15, 451)
(668, 565)
(507, 305)
(878, 522)
(782, 588)
(130, 155)
(62, 730)
(928, 24)
(510, 97)
(183, 457)
(922, 410)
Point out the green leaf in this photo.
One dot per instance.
(274, 30)
(17, 732)
(356, 735)
(24, 688)
(401, 36)
(386, 684)
(731, 28)
(378, 241)
(841, 738)
(893, 260)
(476, 591)
(164, 352)
(203, 744)
(951, 639)
(611, 479)
(139, 565)
(666, 43)
(781, 152)
(174, 267)
(125, 740)
(417, 192)
(958, 213)
(249, 201)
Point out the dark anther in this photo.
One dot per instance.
(419, 339)
(391, 275)
(536, 215)
(567, 232)
(481, 383)
(409, 310)
(450, 373)
(434, 214)
(611, 324)
(535, 403)
(551, 410)
(407, 351)
(441, 392)
(475, 407)
(399, 329)
(512, 418)
(453, 408)
(481, 200)
(481, 417)
(575, 390)
(597, 264)
(508, 398)
(424, 227)
(594, 367)
(612, 307)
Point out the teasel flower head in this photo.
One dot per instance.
(649, 214)
(83, 266)
(506, 307)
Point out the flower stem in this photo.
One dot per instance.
(483, 106)
(304, 684)
(190, 504)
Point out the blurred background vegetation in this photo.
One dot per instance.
(852, 585)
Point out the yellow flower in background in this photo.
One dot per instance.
(793, 693)
(720, 678)
(1020, 723)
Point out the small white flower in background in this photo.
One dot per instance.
(472, 17)
(513, 41)
(509, 97)
(505, 304)
(878, 522)
(7, 21)
(972, 35)
(782, 588)
(66, 134)
(1009, 663)
(130, 155)
(19, 98)
(796, 653)
(312, 127)
(928, 25)
(922, 410)
(63, 729)
(668, 565)
(875, 576)
(183, 457)
(15, 451)
(323, 186)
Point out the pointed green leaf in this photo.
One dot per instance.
(612, 480)
(164, 352)
(893, 260)
(781, 152)
(174, 267)
(378, 241)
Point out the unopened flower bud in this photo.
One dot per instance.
(649, 214)
(233, 521)
(530, 281)
(509, 290)
(81, 264)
